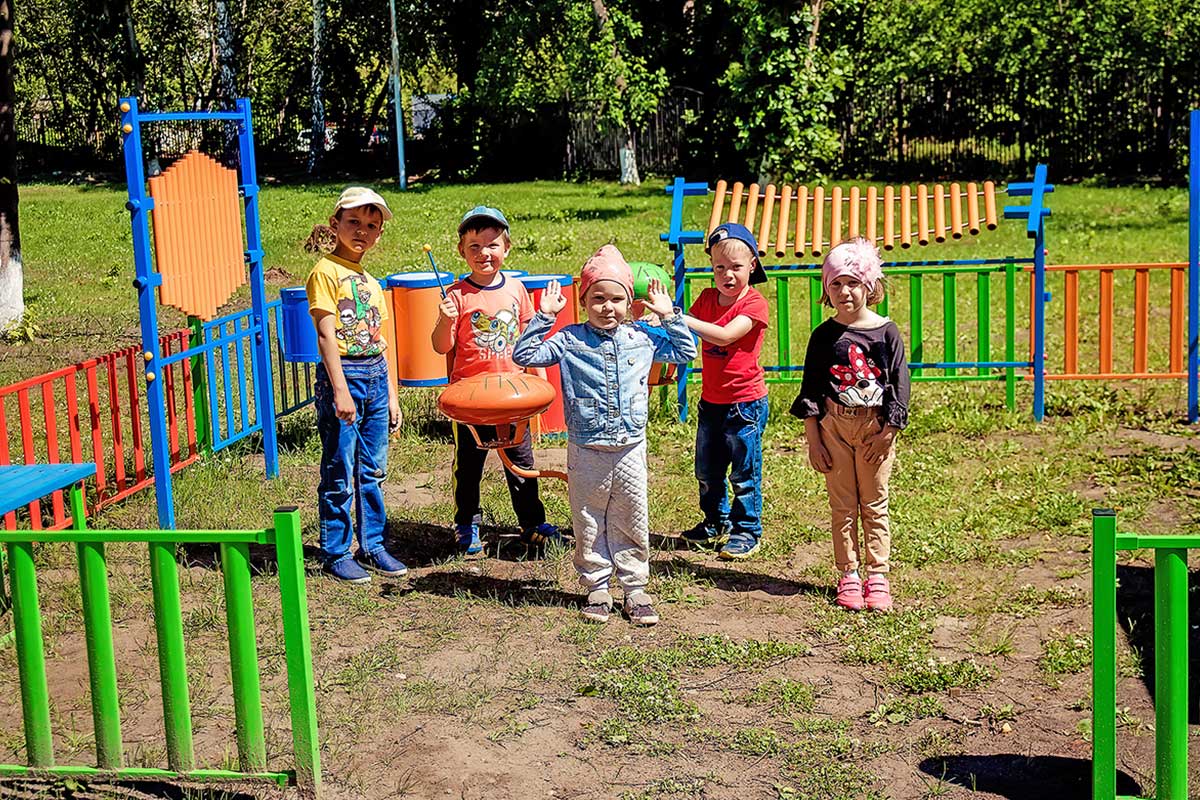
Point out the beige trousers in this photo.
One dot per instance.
(857, 489)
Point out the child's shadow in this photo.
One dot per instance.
(420, 544)
(513, 593)
(735, 580)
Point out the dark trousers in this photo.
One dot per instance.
(468, 472)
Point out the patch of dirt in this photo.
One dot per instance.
(278, 276)
(1164, 441)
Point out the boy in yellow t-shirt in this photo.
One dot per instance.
(355, 396)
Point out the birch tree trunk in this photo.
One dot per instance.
(12, 279)
(316, 150)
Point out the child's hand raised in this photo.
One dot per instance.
(553, 300)
(447, 309)
(657, 299)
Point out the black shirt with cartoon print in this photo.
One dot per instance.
(855, 367)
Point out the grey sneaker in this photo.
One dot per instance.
(641, 614)
(596, 612)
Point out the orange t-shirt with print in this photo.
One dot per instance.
(490, 318)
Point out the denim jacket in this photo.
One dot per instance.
(604, 372)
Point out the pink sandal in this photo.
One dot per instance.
(850, 593)
(879, 592)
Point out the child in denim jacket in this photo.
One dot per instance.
(604, 364)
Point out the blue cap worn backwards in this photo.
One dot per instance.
(732, 230)
(482, 213)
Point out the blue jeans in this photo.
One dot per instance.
(353, 459)
(729, 440)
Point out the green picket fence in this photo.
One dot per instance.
(1170, 657)
(97, 620)
(934, 352)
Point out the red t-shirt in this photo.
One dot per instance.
(490, 318)
(732, 373)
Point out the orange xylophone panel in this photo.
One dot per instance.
(198, 244)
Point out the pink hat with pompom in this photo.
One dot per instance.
(855, 257)
(606, 265)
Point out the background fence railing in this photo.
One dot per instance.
(95, 411)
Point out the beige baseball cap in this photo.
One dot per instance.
(356, 196)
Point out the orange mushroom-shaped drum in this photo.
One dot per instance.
(505, 400)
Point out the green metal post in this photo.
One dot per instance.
(98, 633)
(949, 306)
(294, 601)
(199, 387)
(1104, 654)
(783, 321)
(984, 305)
(172, 660)
(884, 305)
(31, 658)
(815, 315)
(243, 657)
(1171, 674)
(1010, 334)
(916, 300)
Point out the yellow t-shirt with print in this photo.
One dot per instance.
(342, 288)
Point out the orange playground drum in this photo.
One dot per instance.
(415, 300)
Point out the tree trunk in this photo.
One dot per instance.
(226, 50)
(137, 71)
(12, 280)
(628, 158)
(226, 54)
(316, 149)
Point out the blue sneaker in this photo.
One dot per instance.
(383, 562)
(467, 537)
(707, 536)
(347, 570)
(544, 534)
(739, 547)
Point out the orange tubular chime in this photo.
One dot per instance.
(803, 220)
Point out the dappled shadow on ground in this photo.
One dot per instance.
(510, 592)
(1135, 614)
(729, 579)
(79, 789)
(419, 544)
(1023, 777)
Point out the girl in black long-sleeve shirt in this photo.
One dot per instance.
(854, 400)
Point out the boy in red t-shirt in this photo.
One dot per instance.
(731, 320)
(479, 320)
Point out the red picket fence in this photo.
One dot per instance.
(94, 411)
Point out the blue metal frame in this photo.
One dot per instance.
(1036, 212)
(1193, 379)
(147, 280)
(1035, 228)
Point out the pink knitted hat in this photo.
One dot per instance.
(606, 265)
(855, 257)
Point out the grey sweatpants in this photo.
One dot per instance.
(610, 514)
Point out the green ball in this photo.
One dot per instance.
(643, 273)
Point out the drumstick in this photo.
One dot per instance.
(436, 274)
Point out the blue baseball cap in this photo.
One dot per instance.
(482, 213)
(732, 230)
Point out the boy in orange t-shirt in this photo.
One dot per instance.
(480, 319)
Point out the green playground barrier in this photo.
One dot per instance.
(1170, 657)
(97, 620)
(925, 365)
